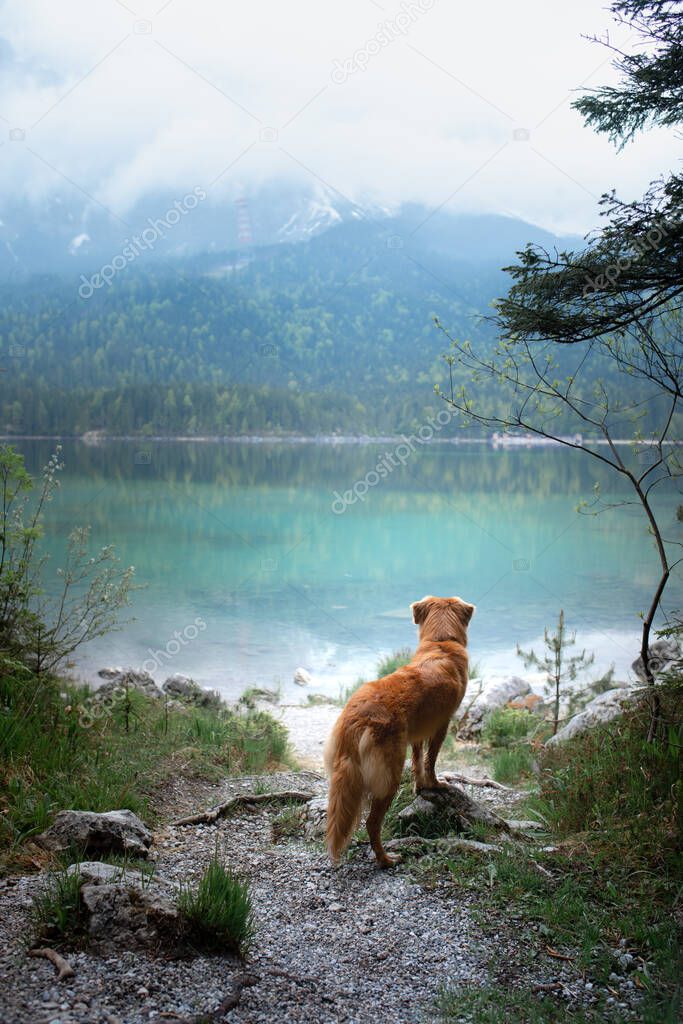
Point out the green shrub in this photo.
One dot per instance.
(511, 763)
(505, 726)
(288, 823)
(35, 630)
(474, 670)
(218, 914)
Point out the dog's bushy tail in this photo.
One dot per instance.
(345, 799)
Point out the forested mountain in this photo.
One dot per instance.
(332, 335)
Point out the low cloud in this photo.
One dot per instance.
(464, 106)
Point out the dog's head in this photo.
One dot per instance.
(442, 618)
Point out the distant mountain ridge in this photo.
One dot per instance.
(284, 312)
(66, 233)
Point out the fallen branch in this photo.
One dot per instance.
(467, 781)
(244, 800)
(233, 997)
(550, 986)
(63, 967)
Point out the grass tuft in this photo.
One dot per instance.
(511, 763)
(57, 913)
(502, 1004)
(506, 726)
(385, 666)
(218, 914)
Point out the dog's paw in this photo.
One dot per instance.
(435, 784)
(390, 861)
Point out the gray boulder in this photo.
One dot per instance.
(663, 655)
(315, 817)
(122, 916)
(601, 709)
(110, 673)
(495, 694)
(127, 678)
(113, 831)
(182, 688)
(452, 806)
(96, 872)
(126, 908)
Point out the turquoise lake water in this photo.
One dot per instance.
(254, 564)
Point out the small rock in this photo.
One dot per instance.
(302, 677)
(182, 688)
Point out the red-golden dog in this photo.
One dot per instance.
(365, 754)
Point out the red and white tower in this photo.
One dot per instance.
(244, 236)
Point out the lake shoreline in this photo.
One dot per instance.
(94, 438)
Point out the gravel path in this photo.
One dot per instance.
(331, 946)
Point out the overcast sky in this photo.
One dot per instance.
(426, 100)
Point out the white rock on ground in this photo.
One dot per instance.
(495, 694)
(601, 709)
(302, 677)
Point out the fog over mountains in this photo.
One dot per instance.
(69, 234)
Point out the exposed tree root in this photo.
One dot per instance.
(467, 781)
(244, 800)
(62, 966)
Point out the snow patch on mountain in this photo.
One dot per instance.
(76, 243)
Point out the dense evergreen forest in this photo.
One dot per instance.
(335, 335)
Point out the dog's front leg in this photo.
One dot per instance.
(418, 768)
(435, 743)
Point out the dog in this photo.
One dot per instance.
(366, 751)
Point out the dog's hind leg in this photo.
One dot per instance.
(387, 781)
(379, 807)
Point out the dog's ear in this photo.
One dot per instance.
(420, 609)
(469, 610)
(465, 609)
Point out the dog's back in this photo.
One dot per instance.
(365, 753)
